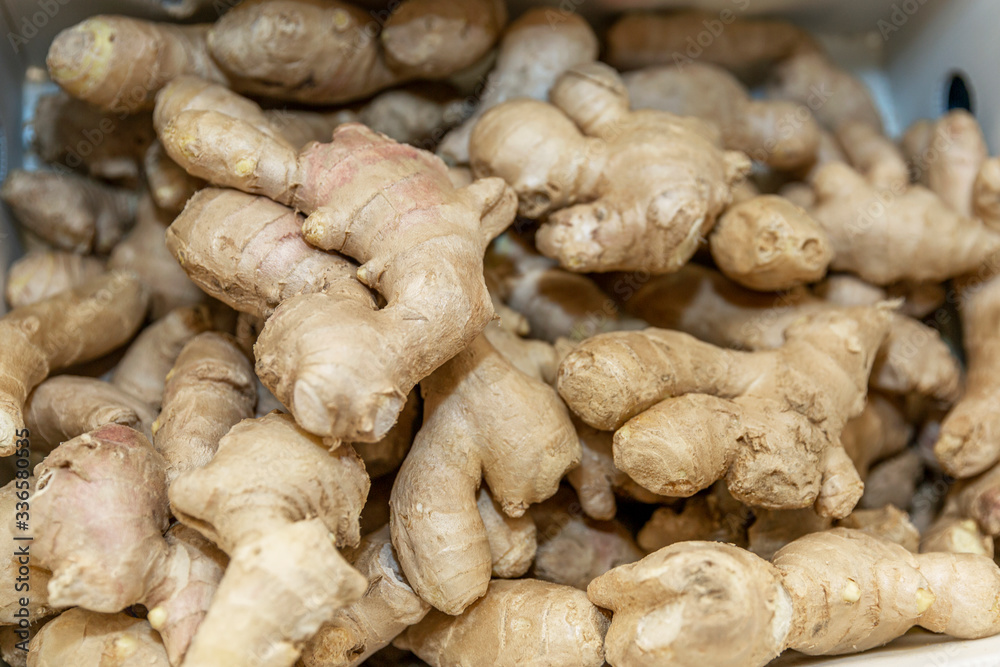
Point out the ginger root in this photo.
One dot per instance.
(69, 212)
(209, 390)
(670, 396)
(71, 327)
(278, 502)
(769, 244)
(523, 623)
(953, 533)
(41, 274)
(583, 164)
(388, 607)
(714, 516)
(483, 419)
(825, 594)
(81, 637)
(106, 561)
(418, 226)
(142, 371)
(39, 607)
(533, 52)
(781, 134)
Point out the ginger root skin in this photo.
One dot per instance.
(582, 164)
(68, 211)
(483, 419)
(278, 502)
(844, 98)
(74, 326)
(41, 274)
(769, 244)
(504, 629)
(79, 636)
(533, 53)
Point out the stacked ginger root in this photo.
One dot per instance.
(335, 404)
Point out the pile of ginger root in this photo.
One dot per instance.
(455, 335)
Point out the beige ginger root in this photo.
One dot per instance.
(118, 63)
(419, 226)
(893, 481)
(873, 154)
(533, 52)
(879, 432)
(106, 561)
(384, 456)
(714, 516)
(36, 577)
(71, 327)
(948, 156)
(888, 522)
(144, 253)
(169, 185)
(769, 244)
(767, 422)
(512, 540)
(323, 52)
(142, 371)
(834, 95)
(781, 134)
(618, 189)
(703, 303)
(523, 623)
(969, 441)
(210, 388)
(66, 406)
(278, 502)
(41, 274)
(388, 607)
(979, 499)
(84, 637)
(483, 419)
(642, 39)
(829, 593)
(69, 212)
(103, 145)
(953, 533)
(888, 236)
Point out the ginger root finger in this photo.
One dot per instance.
(71, 327)
(441, 541)
(572, 634)
(278, 502)
(210, 388)
(85, 637)
(835, 95)
(41, 274)
(582, 164)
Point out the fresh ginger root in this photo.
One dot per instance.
(781, 134)
(886, 237)
(119, 63)
(618, 189)
(597, 480)
(209, 390)
(71, 327)
(829, 593)
(103, 145)
(835, 96)
(144, 253)
(769, 244)
(69, 212)
(142, 371)
(512, 540)
(574, 549)
(522, 623)
(871, 153)
(483, 419)
(384, 456)
(772, 530)
(948, 156)
(893, 481)
(953, 533)
(775, 416)
(278, 502)
(317, 52)
(106, 561)
(969, 441)
(703, 303)
(169, 185)
(423, 228)
(388, 607)
(714, 516)
(979, 499)
(66, 406)
(39, 275)
(888, 522)
(81, 637)
(642, 39)
(533, 52)
(879, 432)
